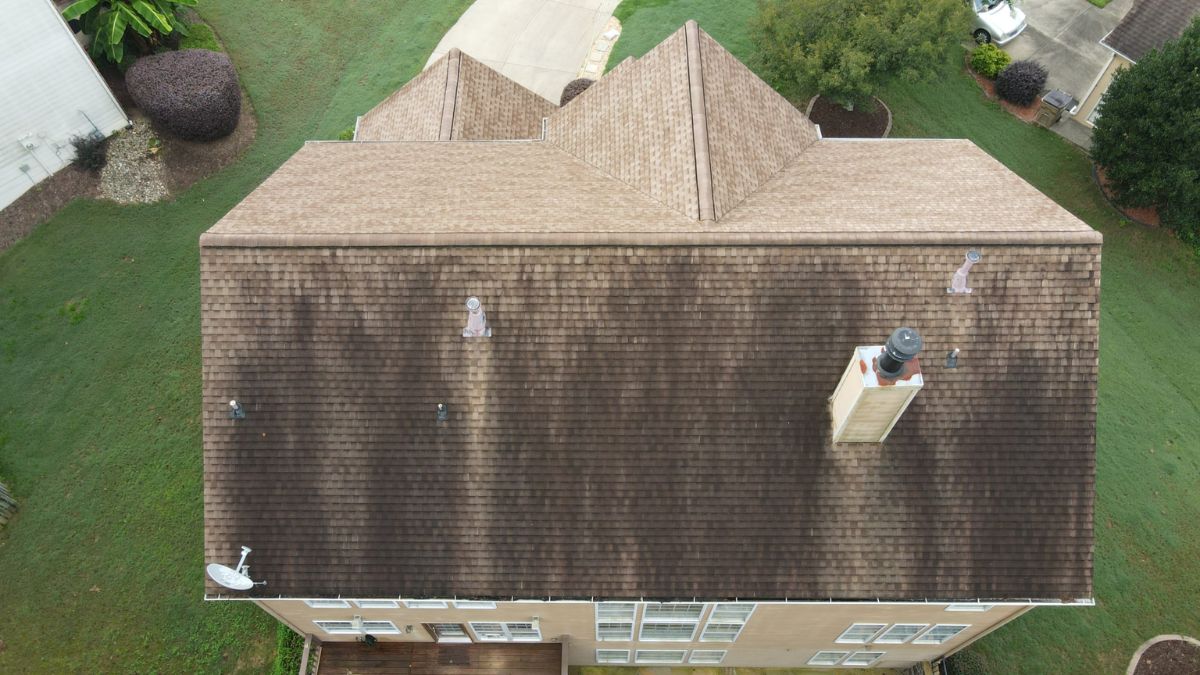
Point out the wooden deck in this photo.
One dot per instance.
(425, 658)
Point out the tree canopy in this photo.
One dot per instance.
(847, 49)
(1148, 135)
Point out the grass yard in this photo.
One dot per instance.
(100, 367)
(1147, 570)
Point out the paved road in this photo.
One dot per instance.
(1064, 36)
(539, 43)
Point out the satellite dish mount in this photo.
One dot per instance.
(237, 578)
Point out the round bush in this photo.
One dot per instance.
(1021, 82)
(988, 60)
(192, 93)
(573, 89)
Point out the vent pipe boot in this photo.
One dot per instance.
(876, 388)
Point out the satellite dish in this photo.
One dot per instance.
(237, 578)
(229, 577)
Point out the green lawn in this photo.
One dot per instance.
(100, 366)
(1147, 571)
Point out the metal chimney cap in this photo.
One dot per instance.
(472, 303)
(904, 344)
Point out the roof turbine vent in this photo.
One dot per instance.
(476, 320)
(903, 345)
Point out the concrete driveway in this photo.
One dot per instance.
(539, 43)
(1064, 36)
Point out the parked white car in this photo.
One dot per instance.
(997, 21)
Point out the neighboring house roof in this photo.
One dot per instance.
(649, 417)
(456, 98)
(1150, 25)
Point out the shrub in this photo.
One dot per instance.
(289, 649)
(91, 152)
(1148, 135)
(122, 28)
(847, 49)
(988, 60)
(573, 89)
(347, 134)
(967, 662)
(194, 93)
(200, 36)
(1021, 82)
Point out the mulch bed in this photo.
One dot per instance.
(43, 200)
(837, 122)
(1170, 657)
(1026, 113)
(1143, 215)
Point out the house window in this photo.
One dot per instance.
(861, 633)
(448, 632)
(726, 621)
(863, 658)
(827, 658)
(612, 656)
(425, 604)
(940, 633)
(496, 631)
(474, 604)
(377, 604)
(670, 621)
(380, 628)
(901, 633)
(660, 655)
(338, 627)
(614, 620)
(327, 604)
(968, 607)
(707, 656)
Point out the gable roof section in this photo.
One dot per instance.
(1150, 25)
(675, 125)
(456, 98)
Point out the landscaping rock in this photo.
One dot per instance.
(193, 93)
(133, 174)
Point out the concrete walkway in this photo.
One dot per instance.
(539, 43)
(1064, 36)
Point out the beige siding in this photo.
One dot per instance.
(777, 635)
(1093, 98)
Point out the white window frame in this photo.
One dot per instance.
(718, 653)
(425, 604)
(968, 607)
(740, 623)
(843, 640)
(465, 638)
(639, 658)
(671, 621)
(327, 603)
(506, 629)
(612, 656)
(343, 628)
(812, 661)
(376, 604)
(883, 638)
(379, 627)
(847, 662)
(925, 639)
(474, 604)
(625, 607)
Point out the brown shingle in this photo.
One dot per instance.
(1150, 25)
(646, 421)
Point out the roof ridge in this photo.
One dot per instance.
(450, 95)
(704, 179)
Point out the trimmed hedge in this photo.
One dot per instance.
(988, 60)
(193, 93)
(1021, 82)
(573, 89)
(200, 36)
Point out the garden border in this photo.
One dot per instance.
(1137, 656)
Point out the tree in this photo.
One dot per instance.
(847, 49)
(1148, 135)
(142, 25)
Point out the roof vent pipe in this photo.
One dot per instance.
(476, 320)
(900, 348)
(958, 283)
